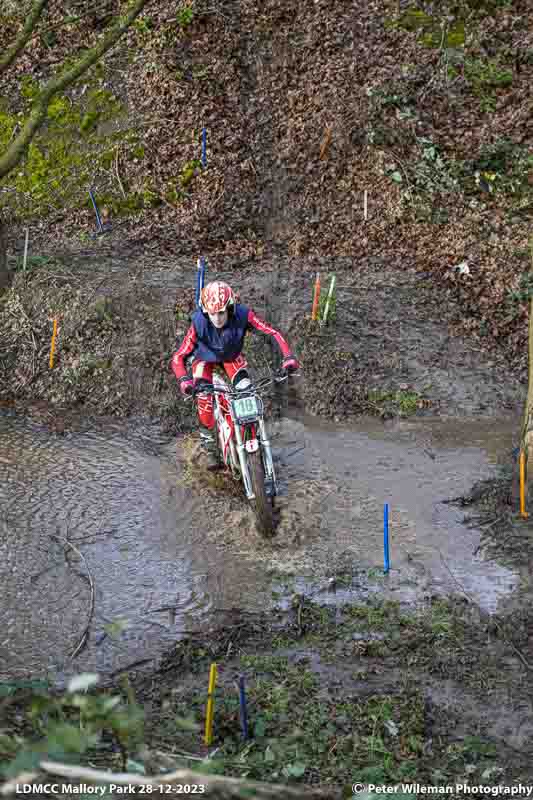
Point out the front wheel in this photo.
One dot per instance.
(262, 504)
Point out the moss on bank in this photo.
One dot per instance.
(67, 154)
(87, 141)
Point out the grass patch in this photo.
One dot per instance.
(501, 168)
(32, 263)
(315, 726)
(402, 402)
(375, 617)
(433, 31)
(185, 16)
(364, 718)
(297, 735)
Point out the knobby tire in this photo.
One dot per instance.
(262, 504)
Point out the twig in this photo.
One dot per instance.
(130, 666)
(326, 141)
(444, 30)
(178, 754)
(293, 453)
(215, 201)
(85, 633)
(405, 173)
(489, 525)
(117, 173)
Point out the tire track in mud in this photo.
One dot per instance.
(264, 54)
(269, 218)
(300, 498)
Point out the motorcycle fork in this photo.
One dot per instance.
(268, 461)
(238, 452)
(266, 449)
(243, 462)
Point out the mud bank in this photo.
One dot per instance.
(391, 348)
(326, 684)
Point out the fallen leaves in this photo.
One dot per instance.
(268, 93)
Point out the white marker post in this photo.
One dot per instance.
(26, 249)
(330, 295)
(365, 205)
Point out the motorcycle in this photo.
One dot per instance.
(243, 443)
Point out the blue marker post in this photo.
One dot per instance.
(242, 705)
(98, 218)
(204, 148)
(386, 559)
(200, 278)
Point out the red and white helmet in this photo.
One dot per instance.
(216, 296)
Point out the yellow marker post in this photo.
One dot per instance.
(316, 298)
(210, 705)
(523, 511)
(53, 345)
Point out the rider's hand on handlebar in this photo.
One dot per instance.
(290, 364)
(186, 386)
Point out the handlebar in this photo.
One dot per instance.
(259, 386)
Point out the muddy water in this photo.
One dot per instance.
(111, 496)
(414, 467)
(116, 518)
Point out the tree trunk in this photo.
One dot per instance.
(5, 275)
(64, 78)
(526, 438)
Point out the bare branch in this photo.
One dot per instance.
(20, 42)
(90, 12)
(66, 77)
(85, 633)
(217, 786)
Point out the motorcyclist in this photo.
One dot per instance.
(216, 336)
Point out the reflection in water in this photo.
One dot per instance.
(163, 554)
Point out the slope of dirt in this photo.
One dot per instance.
(392, 345)
(306, 107)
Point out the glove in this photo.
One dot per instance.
(290, 364)
(186, 385)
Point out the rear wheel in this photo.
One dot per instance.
(262, 504)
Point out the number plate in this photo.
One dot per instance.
(246, 407)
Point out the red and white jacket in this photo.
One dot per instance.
(207, 343)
